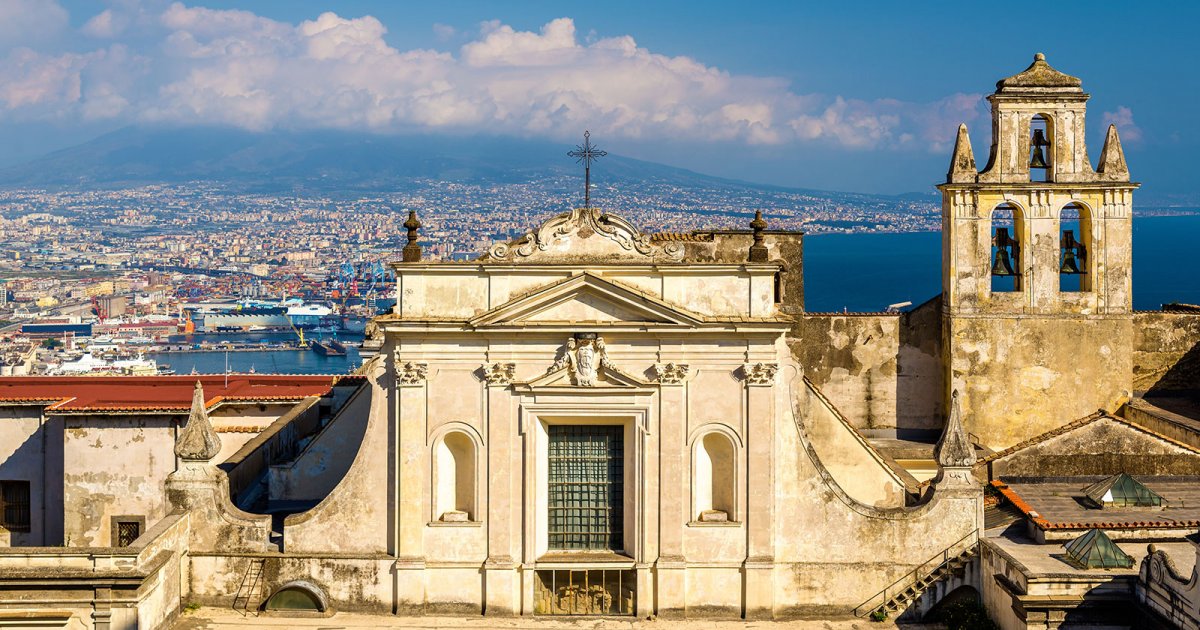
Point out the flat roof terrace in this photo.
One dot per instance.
(1059, 508)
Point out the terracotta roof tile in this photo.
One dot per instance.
(157, 393)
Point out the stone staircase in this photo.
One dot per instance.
(898, 596)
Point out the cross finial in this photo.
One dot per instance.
(585, 153)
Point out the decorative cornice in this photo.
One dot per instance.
(610, 226)
(760, 374)
(671, 373)
(499, 374)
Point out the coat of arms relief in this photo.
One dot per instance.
(583, 355)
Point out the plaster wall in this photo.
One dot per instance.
(1020, 376)
(882, 371)
(1166, 351)
(316, 470)
(825, 536)
(464, 291)
(996, 598)
(114, 466)
(23, 437)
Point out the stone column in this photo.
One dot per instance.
(759, 568)
(412, 486)
(500, 583)
(674, 504)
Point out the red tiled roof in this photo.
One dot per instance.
(157, 393)
(1128, 523)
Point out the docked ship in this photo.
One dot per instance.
(328, 349)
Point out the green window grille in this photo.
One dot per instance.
(586, 484)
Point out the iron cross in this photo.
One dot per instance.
(585, 153)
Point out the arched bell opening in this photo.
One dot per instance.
(1007, 226)
(1074, 244)
(1041, 149)
(298, 598)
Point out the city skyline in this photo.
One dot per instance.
(781, 94)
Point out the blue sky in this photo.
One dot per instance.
(845, 96)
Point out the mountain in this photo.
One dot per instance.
(330, 162)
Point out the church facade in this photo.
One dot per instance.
(596, 420)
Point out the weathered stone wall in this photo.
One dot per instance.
(882, 371)
(733, 246)
(114, 466)
(1022, 375)
(1166, 351)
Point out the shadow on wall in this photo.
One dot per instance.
(920, 387)
(1178, 390)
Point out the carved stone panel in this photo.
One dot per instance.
(760, 374)
(410, 374)
(499, 374)
(671, 373)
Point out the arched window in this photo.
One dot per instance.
(1074, 242)
(714, 478)
(297, 596)
(1041, 149)
(454, 478)
(1007, 227)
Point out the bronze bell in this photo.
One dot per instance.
(1072, 253)
(1039, 144)
(1002, 263)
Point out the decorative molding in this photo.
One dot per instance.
(410, 374)
(760, 374)
(671, 373)
(499, 374)
(607, 225)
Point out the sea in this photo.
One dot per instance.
(842, 272)
(869, 272)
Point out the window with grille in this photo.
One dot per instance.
(14, 505)
(127, 532)
(586, 482)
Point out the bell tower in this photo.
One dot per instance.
(1036, 264)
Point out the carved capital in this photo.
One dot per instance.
(760, 374)
(410, 374)
(671, 373)
(499, 374)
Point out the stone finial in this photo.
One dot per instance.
(954, 450)
(412, 251)
(1112, 158)
(197, 442)
(758, 251)
(962, 164)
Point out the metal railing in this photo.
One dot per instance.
(912, 577)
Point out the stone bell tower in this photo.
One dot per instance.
(1036, 264)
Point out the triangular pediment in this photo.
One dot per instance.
(586, 299)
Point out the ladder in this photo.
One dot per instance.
(250, 590)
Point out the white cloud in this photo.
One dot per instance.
(29, 22)
(1123, 119)
(105, 25)
(198, 65)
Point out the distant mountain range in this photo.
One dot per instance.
(330, 162)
